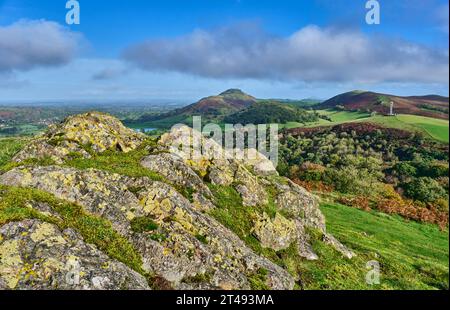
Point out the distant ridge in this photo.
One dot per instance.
(429, 105)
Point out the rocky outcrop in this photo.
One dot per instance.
(299, 203)
(82, 134)
(38, 255)
(277, 233)
(218, 165)
(191, 242)
(170, 223)
(175, 170)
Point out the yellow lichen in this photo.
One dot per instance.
(130, 215)
(46, 233)
(10, 262)
(185, 220)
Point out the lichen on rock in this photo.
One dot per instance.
(277, 233)
(181, 254)
(38, 255)
(169, 222)
(81, 134)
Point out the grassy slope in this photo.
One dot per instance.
(437, 129)
(412, 255)
(343, 116)
(337, 117)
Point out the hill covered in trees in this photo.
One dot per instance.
(232, 106)
(370, 166)
(266, 112)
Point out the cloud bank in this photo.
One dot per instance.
(310, 54)
(27, 44)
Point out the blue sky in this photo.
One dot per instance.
(188, 49)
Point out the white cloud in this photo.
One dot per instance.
(28, 44)
(312, 54)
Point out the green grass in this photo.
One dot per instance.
(434, 128)
(412, 255)
(258, 280)
(9, 147)
(338, 117)
(290, 125)
(127, 164)
(143, 224)
(231, 213)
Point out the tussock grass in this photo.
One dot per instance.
(9, 148)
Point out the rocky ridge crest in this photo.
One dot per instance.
(184, 225)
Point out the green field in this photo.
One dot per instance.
(437, 129)
(337, 117)
(411, 255)
(343, 116)
(289, 125)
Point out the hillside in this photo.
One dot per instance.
(213, 108)
(233, 106)
(123, 211)
(119, 210)
(268, 112)
(369, 166)
(365, 101)
(225, 103)
(303, 103)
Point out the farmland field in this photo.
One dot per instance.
(437, 129)
(344, 116)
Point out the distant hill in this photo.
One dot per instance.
(431, 105)
(269, 111)
(213, 108)
(233, 106)
(225, 103)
